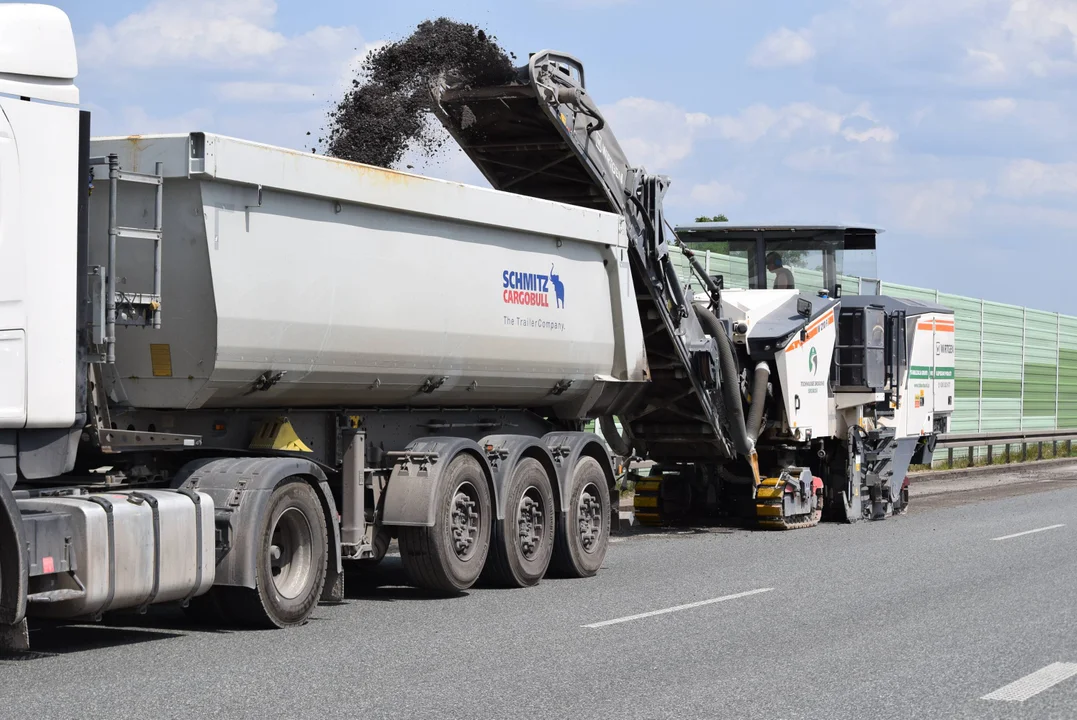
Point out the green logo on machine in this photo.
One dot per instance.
(813, 361)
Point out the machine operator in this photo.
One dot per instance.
(783, 276)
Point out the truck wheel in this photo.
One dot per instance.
(581, 540)
(523, 541)
(291, 555)
(449, 556)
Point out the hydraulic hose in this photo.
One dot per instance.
(759, 396)
(617, 442)
(742, 440)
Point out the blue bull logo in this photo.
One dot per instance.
(520, 288)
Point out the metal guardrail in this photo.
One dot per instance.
(1007, 440)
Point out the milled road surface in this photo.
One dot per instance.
(924, 615)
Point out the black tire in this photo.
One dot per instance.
(289, 578)
(432, 557)
(523, 541)
(582, 540)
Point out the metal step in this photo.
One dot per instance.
(55, 596)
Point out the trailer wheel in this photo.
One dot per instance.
(449, 556)
(523, 541)
(584, 536)
(291, 556)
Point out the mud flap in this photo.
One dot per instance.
(14, 569)
(505, 452)
(241, 489)
(409, 497)
(567, 448)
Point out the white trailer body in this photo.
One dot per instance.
(363, 286)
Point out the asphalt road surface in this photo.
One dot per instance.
(964, 608)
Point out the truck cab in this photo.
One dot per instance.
(820, 259)
(42, 196)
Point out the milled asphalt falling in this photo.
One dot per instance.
(916, 616)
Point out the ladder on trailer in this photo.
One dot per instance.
(112, 307)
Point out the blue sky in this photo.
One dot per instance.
(952, 124)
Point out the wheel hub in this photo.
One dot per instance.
(291, 553)
(465, 521)
(589, 512)
(530, 526)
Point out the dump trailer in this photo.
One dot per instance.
(770, 402)
(226, 369)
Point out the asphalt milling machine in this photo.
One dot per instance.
(780, 404)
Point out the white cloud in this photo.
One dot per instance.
(932, 207)
(1031, 39)
(659, 135)
(1043, 21)
(716, 194)
(135, 120)
(983, 66)
(783, 47)
(875, 134)
(266, 92)
(232, 55)
(1029, 178)
(995, 107)
(918, 13)
(653, 134)
(758, 121)
(861, 160)
(217, 33)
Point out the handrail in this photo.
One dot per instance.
(1001, 438)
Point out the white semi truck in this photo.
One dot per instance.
(225, 368)
(228, 368)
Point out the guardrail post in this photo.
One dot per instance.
(956, 443)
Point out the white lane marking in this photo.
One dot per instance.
(1029, 532)
(689, 606)
(1037, 682)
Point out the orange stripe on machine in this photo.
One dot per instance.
(814, 329)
